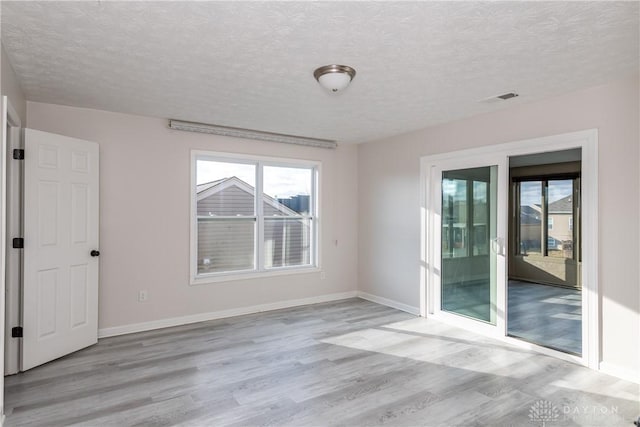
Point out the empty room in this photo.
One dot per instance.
(311, 213)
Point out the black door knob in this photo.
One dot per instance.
(95, 253)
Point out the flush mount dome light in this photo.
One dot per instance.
(334, 77)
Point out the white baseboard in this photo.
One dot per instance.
(202, 317)
(620, 372)
(390, 303)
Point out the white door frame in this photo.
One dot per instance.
(13, 256)
(10, 131)
(587, 140)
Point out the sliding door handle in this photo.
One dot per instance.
(497, 246)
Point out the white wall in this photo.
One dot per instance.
(388, 176)
(11, 87)
(142, 164)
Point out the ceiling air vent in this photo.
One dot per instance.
(498, 98)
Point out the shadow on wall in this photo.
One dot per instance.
(546, 270)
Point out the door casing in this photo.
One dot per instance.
(13, 302)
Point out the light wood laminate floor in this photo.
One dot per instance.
(546, 315)
(351, 363)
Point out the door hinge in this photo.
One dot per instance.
(18, 154)
(18, 243)
(16, 332)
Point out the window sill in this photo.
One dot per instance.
(545, 258)
(228, 277)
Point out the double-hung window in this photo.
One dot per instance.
(252, 216)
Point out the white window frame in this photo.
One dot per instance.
(259, 271)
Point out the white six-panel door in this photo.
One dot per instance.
(60, 288)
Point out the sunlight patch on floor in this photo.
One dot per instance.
(584, 382)
(434, 342)
(560, 300)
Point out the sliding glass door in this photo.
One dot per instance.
(467, 200)
(467, 215)
(468, 226)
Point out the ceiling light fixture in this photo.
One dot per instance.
(334, 77)
(251, 134)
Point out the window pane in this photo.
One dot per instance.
(454, 218)
(287, 242)
(480, 212)
(225, 189)
(530, 217)
(468, 280)
(287, 191)
(225, 245)
(253, 217)
(560, 238)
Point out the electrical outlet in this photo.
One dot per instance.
(143, 296)
(323, 275)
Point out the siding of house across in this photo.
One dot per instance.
(228, 244)
(561, 214)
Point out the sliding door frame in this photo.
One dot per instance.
(434, 194)
(587, 141)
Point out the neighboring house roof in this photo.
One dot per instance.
(210, 188)
(202, 187)
(564, 205)
(530, 214)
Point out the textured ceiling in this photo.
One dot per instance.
(250, 64)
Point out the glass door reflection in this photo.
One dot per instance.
(469, 230)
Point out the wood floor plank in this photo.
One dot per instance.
(345, 363)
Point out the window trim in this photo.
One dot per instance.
(260, 271)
